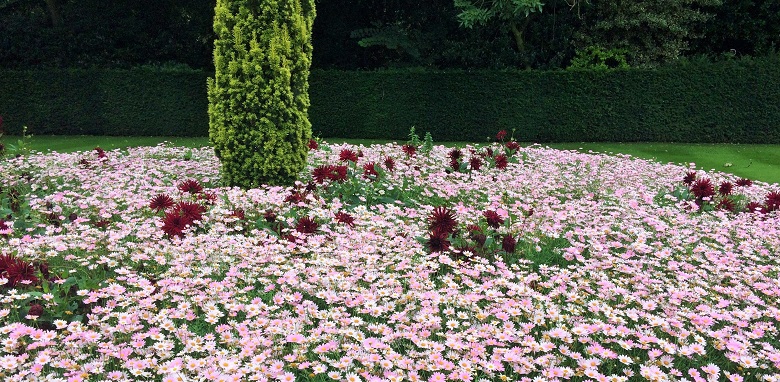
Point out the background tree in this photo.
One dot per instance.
(258, 98)
(651, 32)
(742, 27)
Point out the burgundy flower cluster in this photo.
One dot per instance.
(180, 215)
(722, 197)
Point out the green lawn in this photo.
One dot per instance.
(758, 162)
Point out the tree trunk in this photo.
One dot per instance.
(518, 33)
(54, 13)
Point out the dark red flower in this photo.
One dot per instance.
(209, 198)
(17, 270)
(313, 144)
(744, 182)
(475, 163)
(369, 171)
(726, 204)
(35, 310)
(339, 174)
(389, 164)
(44, 268)
(306, 225)
(4, 227)
(348, 155)
(322, 173)
(2, 149)
(295, 197)
(410, 150)
(360, 153)
(689, 178)
(238, 213)
(493, 219)
(161, 202)
(455, 164)
(73, 216)
(513, 146)
(100, 153)
(501, 135)
(438, 241)
(84, 162)
(702, 188)
(455, 154)
(772, 201)
(725, 188)
(190, 211)
(501, 161)
(488, 152)
(754, 207)
(345, 218)
(442, 219)
(190, 185)
(508, 244)
(102, 223)
(269, 216)
(174, 224)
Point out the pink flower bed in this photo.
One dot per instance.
(386, 263)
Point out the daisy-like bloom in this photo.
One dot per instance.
(286, 377)
(442, 219)
(352, 377)
(345, 218)
(437, 377)
(160, 202)
(689, 178)
(389, 164)
(493, 218)
(191, 186)
(703, 188)
(501, 161)
(369, 171)
(410, 150)
(772, 202)
(475, 163)
(744, 182)
(508, 244)
(306, 225)
(313, 145)
(725, 188)
(348, 155)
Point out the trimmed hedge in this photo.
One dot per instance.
(140, 102)
(728, 102)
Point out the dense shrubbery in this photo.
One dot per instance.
(731, 101)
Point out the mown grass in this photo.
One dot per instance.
(758, 162)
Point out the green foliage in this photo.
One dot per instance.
(481, 12)
(736, 101)
(427, 143)
(652, 31)
(258, 98)
(139, 102)
(596, 58)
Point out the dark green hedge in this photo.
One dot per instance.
(105, 102)
(732, 101)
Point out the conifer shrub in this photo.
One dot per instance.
(258, 98)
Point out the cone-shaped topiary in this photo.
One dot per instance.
(258, 98)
